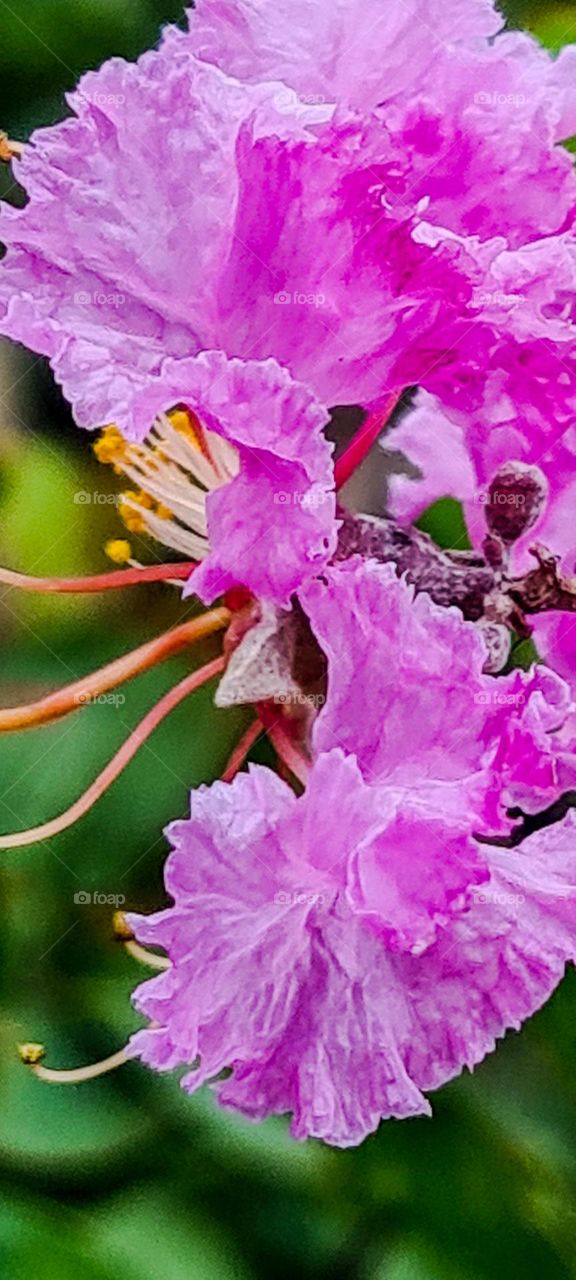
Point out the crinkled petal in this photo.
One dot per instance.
(500, 962)
(351, 51)
(406, 693)
(273, 526)
(112, 264)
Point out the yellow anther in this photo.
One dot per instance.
(164, 513)
(111, 448)
(134, 521)
(187, 425)
(121, 928)
(31, 1054)
(8, 148)
(118, 550)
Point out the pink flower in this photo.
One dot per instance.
(345, 952)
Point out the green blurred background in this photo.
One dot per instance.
(126, 1176)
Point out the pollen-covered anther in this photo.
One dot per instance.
(31, 1054)
(121, 928)
(8, 148)
(172, 473)
(111, 448)
(118, 550)
(124, 934)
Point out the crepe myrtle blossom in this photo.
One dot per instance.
(349, 950)
(289, 913)
(339, 961)
(345, 952)
(342, 961)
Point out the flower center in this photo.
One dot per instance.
(173, 472)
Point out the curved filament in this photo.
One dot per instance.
(116, 673)
(118, 763)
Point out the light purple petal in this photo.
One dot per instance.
(273, 526)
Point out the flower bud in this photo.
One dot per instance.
(516, 496)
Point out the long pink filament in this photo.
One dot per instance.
(362, 442)
(283, 744)
(241, 750)
(119, 762)
(116, 673)
(116, 580)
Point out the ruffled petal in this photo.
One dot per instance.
(273, 526)
(360, 53)
(500, 962)
(113, 263)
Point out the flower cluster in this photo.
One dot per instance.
(273, 214)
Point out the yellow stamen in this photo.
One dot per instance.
(120, 928)
(186, 425)
(124, 934)
(32, 1054)
(118, 550)
(135, 523)
(111, 448)
(9, 148)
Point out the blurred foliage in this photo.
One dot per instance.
(126, 1176)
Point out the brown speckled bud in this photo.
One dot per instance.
(515, 498)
